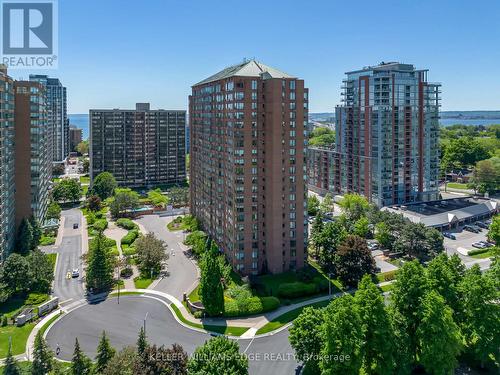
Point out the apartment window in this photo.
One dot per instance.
(292, 85)
(254, 85)
(292, 95)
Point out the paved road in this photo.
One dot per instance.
(182, 271)
(122, 322)
(69, 257)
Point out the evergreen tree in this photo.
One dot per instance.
(142, 342)
(211, 290)
(104, 353)
(42, 356)
(11, 366)
(343, 334)
(24, 237)
(409, 289)
(378, 337)
(99, 265)
(37, 233)
(80, 363)
(439, 337)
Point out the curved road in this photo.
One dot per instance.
(122, 322)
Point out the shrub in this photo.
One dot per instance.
(198, 314)
(128, 250)
(126, 224)
(322, 283)
(126, 272)
(391, 275)
(100, 225)
(91, 218)
(36, 298)
(130, 237)
(478, 251)
(5, 320)
(254, 305)
(297, 289)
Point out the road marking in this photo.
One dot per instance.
(251, 341)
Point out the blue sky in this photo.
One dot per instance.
(113, 53)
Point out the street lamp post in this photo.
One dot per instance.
(145, 317)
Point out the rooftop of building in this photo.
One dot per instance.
(446, 211)
(139, 107)
(387, 66)
(248, 68)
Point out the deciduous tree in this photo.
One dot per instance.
(306, 337)
(151, 253)
(218, 355)
(343, 335)
(378, 337)
(104, 185)
(354, 206)
(353, 260)
(438, 336)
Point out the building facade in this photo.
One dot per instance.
(7, 207)
(247, 168)
(33, 162)
(323, 170)
(75, 137)
(387, 134)
(57, 116)
(140, 147)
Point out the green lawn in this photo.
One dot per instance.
(456, 185)
(47, 240)
(115, 294)
(85, 179)
(12, 306)
(194, 296)
(286, 318)
(224, 330)
(142, 283)
(19, 337)
(387, 287)
(48, 323)
(53, 258)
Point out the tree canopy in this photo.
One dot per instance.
(103, 185)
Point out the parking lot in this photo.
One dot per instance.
(464, 240)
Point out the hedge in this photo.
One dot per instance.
(126, 224)
(478, 251)
(130, 237)
(128, 250)
(255, 305)
(297, 289)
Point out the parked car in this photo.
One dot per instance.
(479, 229)
(449, 235)
(372, 246)
(487, 244)
(75, 272)
(472, 229)
(479, 245)
(480, 224)
(75, 226)
(488, 222)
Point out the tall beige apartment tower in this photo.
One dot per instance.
(247, 170)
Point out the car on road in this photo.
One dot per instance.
(471, 228)
(487, 244)
(372, 246)
(75, 273)
(75, 226)
(449, 235)
(480, 224)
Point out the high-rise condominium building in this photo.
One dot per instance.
(323, 174)
(141, 147)
(387, 134)
(75, 137)
(32, 161)
(7, 207)
(247, 177)
(57, 116)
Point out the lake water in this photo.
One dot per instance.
(82, 121)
